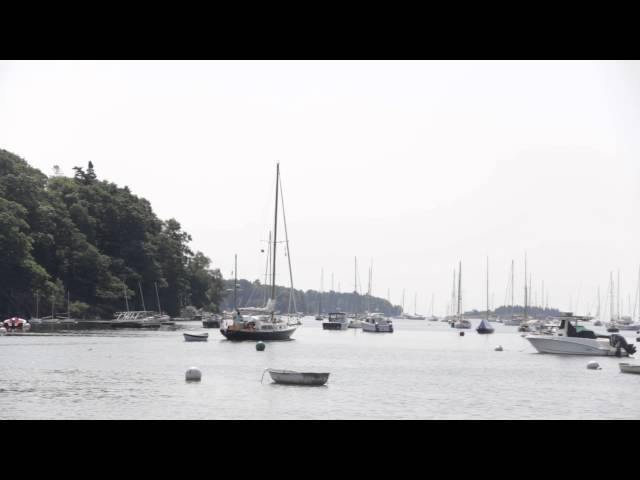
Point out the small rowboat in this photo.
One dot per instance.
(629, 368)
(289, 377)
(196, 337)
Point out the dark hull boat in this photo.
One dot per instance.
(255, 335)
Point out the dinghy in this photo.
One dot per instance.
(629, 368)
(289, 377)
(196, 337)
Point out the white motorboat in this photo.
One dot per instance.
(574, 339)
(629, 368)
(289, 377)
(378, 323)
(336, 321)
(512, 322)
(354, 322)
(196, 337)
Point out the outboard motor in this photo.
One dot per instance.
(618, 342)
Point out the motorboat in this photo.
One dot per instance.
(433, 318)
(289, 377)
(378, 323)
(354, 322)
(336, 321)
(629, 368)
(196, 337)
(573, 339)
(14, 324)
(408, 316)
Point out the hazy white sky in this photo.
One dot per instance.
(411, 165)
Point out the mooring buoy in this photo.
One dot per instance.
(592, 365)
(462, 334)
(193, 375)
(498, 348)
(260, 346)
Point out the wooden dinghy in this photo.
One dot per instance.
(629, 368)
(289, 377)
(196, 337)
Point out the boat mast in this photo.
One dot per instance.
(611, 314)
(512, 289)
(68, 303)
(525, 287)
(275, 236)
(37, 303)
(618, 312)
(124, 290)
(487, 288)
(415, 304)
(235, 280)
(459, 290)
(142, 296)
(155, 284)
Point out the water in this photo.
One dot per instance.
(423, 370)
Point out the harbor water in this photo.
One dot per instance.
(424, 370)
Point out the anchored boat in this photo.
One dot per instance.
(574, 339)
(336, 321)
(289, 377)
(196, 337)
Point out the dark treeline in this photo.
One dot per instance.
(93, 240)
(254, 294)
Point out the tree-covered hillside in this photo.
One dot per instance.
(94, 241)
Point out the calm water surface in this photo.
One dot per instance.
(424, 370)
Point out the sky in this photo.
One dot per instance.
(410, 166)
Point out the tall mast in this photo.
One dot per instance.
(525, 286)
(487, 288)
(126, 299)
(235, 280)
(453, 294)
(512, 288)
(158, 297)
(403, 300)
(611, 292)
(598, 313)
(37, 303)
(618, 315)
(142, 296)
(355, 275)
(275, 237)
(68, 303)
(459, 290)
(432, 298)
(415, 304)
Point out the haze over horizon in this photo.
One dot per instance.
(410, 165)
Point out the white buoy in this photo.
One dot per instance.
(592, 365)
(498, 348)
(193, 374)
(3, 331)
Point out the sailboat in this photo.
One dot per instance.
(415, 315)
(432, 317)
(461, 322)
(485, 326)
(513, 321)
(262, 323)
(524, 325)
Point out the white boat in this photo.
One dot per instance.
(137, 319)
(574, 339)
(289, 377)
(485, 326)
(196, 337)
(629, 368)
(354, 321)
(459, 321)
(378, 323)
(336, 321)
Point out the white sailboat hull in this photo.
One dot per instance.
(572, 346)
